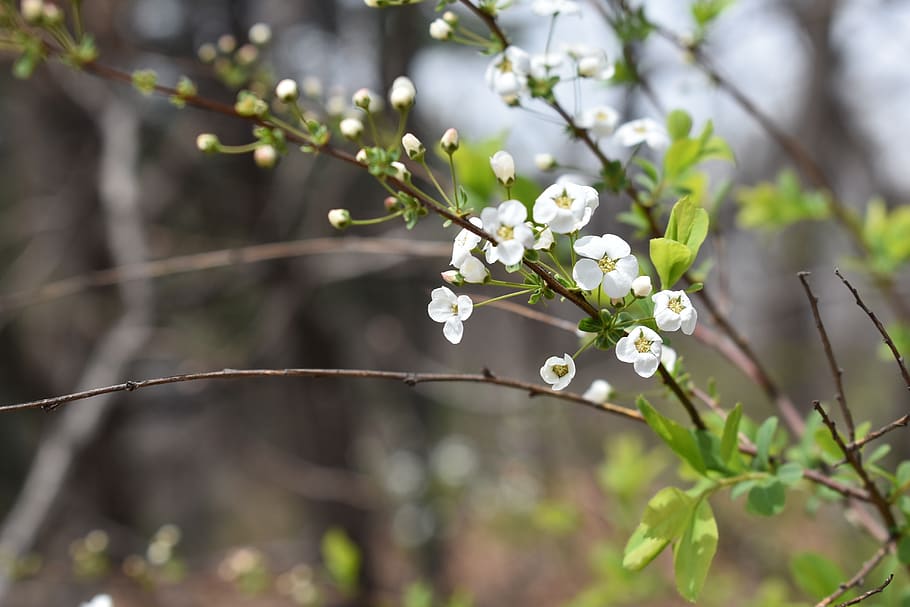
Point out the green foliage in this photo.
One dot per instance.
(679, 438)
(695, 551)
(771, 206)
(342, 560)
(815, 575)
(675, 253)
(145, 81)
(418, 594)
(885, 234)
(686, 153)
(665, 518)
(557, 518)
(704, 12)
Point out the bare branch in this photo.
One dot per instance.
(868, 593)
(900, 422)
(881, 328)
(836, 371)
(860, 575)
(667, 378)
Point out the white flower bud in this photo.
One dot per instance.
(286, 90)
(247, 54)
(599, 391)
(440, 30)
(473, 270)
(32, 10)
(207, 142)
(361, 156)
(449, 141)
(260, 34)
(450, 18)
(52, 15)
(265, 156)
(351, 128)
(402, 93)
(413, 147)
(340, 218)
(545, 162)
(227, 43)
(367, 100)
(451, 277)
(641, 286)
(206, 53)
(401, 172)
(503, 167)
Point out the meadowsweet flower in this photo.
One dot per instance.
(440, 30)
(287, 90)
(641, 286)
(402, 93)
(503, 166)
(450, 310)
(101, 600)
(600, 120)
(507, 73)
(599, 391)
(465, 242)
(544, 240)
(566, 207)
(642, 348)
(595, 64)
(545, 64)
(551, 8)
(413, 147)
(641, 131)
(265, 156)
(473, 270)
(506, 223)
(367, 100)
(673, 311)
(340, 218)
(607, 262)
(351, 128)
(558, 371)
(449, 141)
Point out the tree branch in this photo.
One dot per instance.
(858, 578)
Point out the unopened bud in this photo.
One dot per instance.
(401, 172)
(52, 15)
(361, 156)
(208, 142)
(452, 277)
(413, 147)
(260, 34)
(450, 18)
(287, 90)
(340, 218)
(247, 54)
(227, 43)
(367, 100)
(265, 156)
(503, 167)
(32, 10)
(391, 204)
(402, 93)
(351, 128)
(641, 286)
(449, 141)
(207, 53)
(545, 162)
(440, 30)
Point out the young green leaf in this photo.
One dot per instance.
(681, 440)
(671, 259)
(695, 551)
(763, 438)
(767, 498)
(342, 559)
(688, 224)
(679, 124)
(730, 438)
(664, 519)
(815, 575)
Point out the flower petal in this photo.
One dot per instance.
(453, 330)
(689, 317)
(544, 209)
(625, 348)
(646, 365)
(615, 247)
(590, 246)
(512, 213)
(667, 319)
(465, 307)
(616, 284)
(587, 274)
(510, 252)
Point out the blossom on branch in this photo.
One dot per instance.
(642, 348)
(558, 371)
(607, 262)
(451, 310)
(673, 311)
(566, 207)
(506, 223)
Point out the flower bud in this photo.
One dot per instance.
(503, 167)
(207, 142)
(32, 10)
(401, 172)
(440, 30)
(449, 141)
(52, 15)
(265, 156)
(450, 18)
(340, 218)
(227, 43)
(351, 128)
(391, 204)
(413, 147)
(286, 90)
(599, 391)
(545, 162)
(402, 93)
(452, 277)
(361, 156)
(367, 100)
(641, 286)
(207, 53)
(260, 34)
(335, 105)
(247, 54)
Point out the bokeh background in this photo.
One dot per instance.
(468, 488)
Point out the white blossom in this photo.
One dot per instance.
(260, 33)
(668, 358)
(465, 242)
(351, 128)
(32, 10)
(608, 262)
(642, 348)
(507, 73)
(449, 141)
(402, 93)
(440, 30)
(340, 218)
(101, 600)
(413, 147)
(545, 161)
(473, 270)
(543, 65)
(673, 311)
(287, 90)
(265, 156)
(450, 310)
(367, 100)
(361, 156)
(599, 391)
(551, 8)
(503, 166)
(641, 286)
(207, 142)
(641, 131)
(558, 371)
(600, 120)
(566, 207)
(506, 223)
(544, 240)
(401, 172)
(595, 64)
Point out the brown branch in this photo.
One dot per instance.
(868, 593)
(836, 371)
(667, 378)
(855, 445)
(860, 575)
(875, 496)
(490, 21)
(881, 328)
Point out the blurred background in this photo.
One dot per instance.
(241, 492)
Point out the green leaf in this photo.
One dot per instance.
(730, 438)
(695, 551)
(763, 438)
(815, 575)
(679, 439)
(664, 519)
(790, 473)
(342, 559)
(418, 594)
(771, 206)
(706, 11)
(709, 448)
(767, 498)
(884, 232)
(679, 124)
(671, 259)
(688, 224)
(680, 157)
(903, 550)
(740, 488)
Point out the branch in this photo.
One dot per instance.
(667, 378)
(855, 445)
(858, 578)
(868, 593)
(881, 329)
(836, 372)
(490, 21)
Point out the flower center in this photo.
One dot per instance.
(641, 130)
(564, 201)
(607, 265)
(643, 345)
(561, 370)
(505, 232)
(505, 66)
(455, 309)
(676, 305)
(601, 117)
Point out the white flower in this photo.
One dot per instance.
(473, 270)
(101, 600)
(566, 207)
(401, 172)
(287, 90)
(543, 65)
(413, 147)
(551, 8)
(600, 120)
(673, 310)
(446, 308)
(260, 33)
(351, 128)
(449, 141)
(465, 242)
(367, 100)
(544, 240)
(558, 371)
(544, 161)
(642, 348)
(641, 286)
(402, 93)
(503, 166)
(265, 156)
(641, 131)
(608, 262)
(451, 277)
(507, 74)
(440, 30)
(595, 64)
(506, 224)
(340, 218)
(668, 358)
(599, 391)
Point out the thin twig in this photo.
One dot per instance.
(836, 371)
(898, 423)
(868, 593)
(681, 395)
(860, 575)
(875, 496)
(881, 329)
(490, 21)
